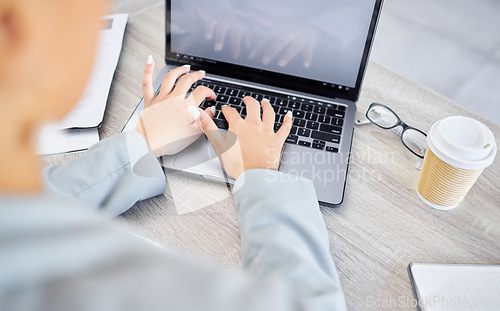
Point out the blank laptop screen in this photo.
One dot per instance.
(320, 40)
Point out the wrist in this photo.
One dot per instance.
(139, 129)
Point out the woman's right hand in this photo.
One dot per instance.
(250, 143)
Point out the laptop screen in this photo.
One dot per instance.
(315, 46)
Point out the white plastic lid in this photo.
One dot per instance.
(462, 142)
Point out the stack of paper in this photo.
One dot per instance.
(78, 130)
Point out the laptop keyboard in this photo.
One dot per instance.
(315, 124)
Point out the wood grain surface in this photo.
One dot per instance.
(380, 228)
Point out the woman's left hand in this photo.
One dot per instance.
(166, 124)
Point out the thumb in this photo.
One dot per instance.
(208, 126)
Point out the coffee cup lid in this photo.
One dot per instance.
(462, 142)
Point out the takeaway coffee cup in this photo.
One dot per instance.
(458, 149)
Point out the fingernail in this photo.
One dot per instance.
(212, 109)
(187, 66)
(307, 65)
(150, 59)
(217, 47)
(289, 114)
(266, 60)
(194, 112)
(252, 55)
(202, 71)
(282, 63)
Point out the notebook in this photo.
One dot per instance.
(455, 287)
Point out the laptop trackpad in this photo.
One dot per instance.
(199, 158)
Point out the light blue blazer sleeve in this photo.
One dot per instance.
(111, 176)
(283, 236)
(286, 260)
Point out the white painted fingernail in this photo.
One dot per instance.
(187, 66)
(194, 112)
(307, 65)
(217, 47)
(266, 60)
(289, 114)
(150, 59)
(212, 109)
(282, 63)
(202, 71)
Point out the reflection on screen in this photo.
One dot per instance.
(320, 40)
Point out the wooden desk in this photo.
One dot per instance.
(381, 227)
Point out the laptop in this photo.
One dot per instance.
(305, 56)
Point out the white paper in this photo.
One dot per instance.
(78, 130)
(52, 140)
(447, 287)
(89, 111)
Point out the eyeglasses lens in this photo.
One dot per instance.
(415, 141)
(382, 116)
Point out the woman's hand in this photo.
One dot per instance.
(165, 124)
(249, 143)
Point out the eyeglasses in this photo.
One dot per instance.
(413, 139)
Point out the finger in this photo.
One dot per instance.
(220, 36)
(232, 116)
(248, 38)
(308, 56)
(209, 23)
(253, 107)
(208, 127)
(268, 115)
(284, 130)
(148, 91)
(168, 82)
(257, 48)
(200, 93)
(185, 82)
(210, 29)
(290, 53)
(276, 47)
(200, 14)
(236, 38)
(210, 111)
